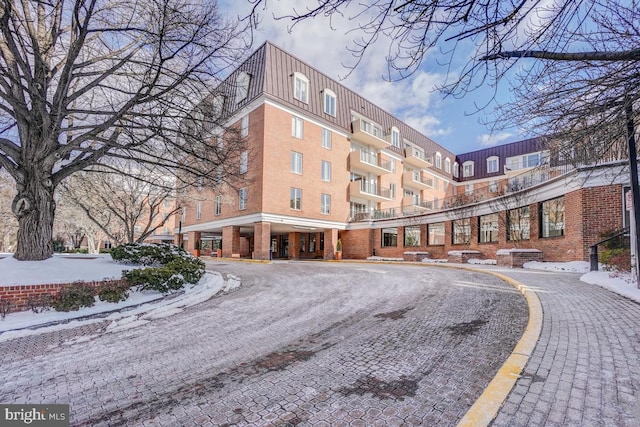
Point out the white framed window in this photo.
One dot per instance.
(244, 126)
(493, 164)
(217, 207)
(439, 160)
(242, 199)
(392, 190)
(493, 186)
(456, 169)
(297, 127)
(200, 182)
(325, 204)
(395, 137)
(296, 162)
(326, 138)
(167, 203)
(199, 210)
(468, 189)
(242, 85)
(330, 102)
(184, 214)
(326, 171)
(244, 162)
(295, 198)
(467, 169)
(300, 87)
(447, 165)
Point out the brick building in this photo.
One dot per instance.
(323, 163)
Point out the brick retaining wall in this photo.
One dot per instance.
(19, 294)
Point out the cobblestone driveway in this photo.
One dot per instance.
(298, 344)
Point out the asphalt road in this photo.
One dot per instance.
(304, 343)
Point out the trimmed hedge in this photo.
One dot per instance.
(74, 297)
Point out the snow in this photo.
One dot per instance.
(482, 261)
(508, 251)
(140, 308)
(60, 269)
(463, 252)
(435, 260)
(620, 283)
(383, 258)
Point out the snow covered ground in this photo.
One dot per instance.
(143, 306)
(138, 309)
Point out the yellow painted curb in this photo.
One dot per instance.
(488, 404)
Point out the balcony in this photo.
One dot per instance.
(414, 204)
(415, 158)
(369, 191)
(368, 133)
(369, 162)
(413, 179)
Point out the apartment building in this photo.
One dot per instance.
(323, 163)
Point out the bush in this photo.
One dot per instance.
(39, 303)
(617, 260)
(146, 254)
(169, 268)
(74, 297)
(113, 292)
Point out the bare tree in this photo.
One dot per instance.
(126, 208)
(8, 223)
(460, 209)
(85, 81)
(513, 213)
(573, 65)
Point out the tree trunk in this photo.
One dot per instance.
(34, 207)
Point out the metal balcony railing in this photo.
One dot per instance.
(375, 189)
(375, 159)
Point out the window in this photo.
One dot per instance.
(439, 160)
(165, 230)
(395, 137)
(488, 228)
(217, 207)
(295, 198)
(330, 102)
(461, 231)
(216, 106)
(200, 182)
(412, 235)
(296, 163)
(467, 169)
(447, 165)
(456, 169)
(392, 190)
(184, 214)
(199, 210)
(468, 189)
(242, 199)
(296, 127)
(493, 164)
(326, 139)
(493, 186)
(137, 228)
(325, 204)
(436, 234)
(244, 162)
(518, 224)
(167, 203)
(300, 87)
(326, 171)
(552, 218)
(389, 237)
(244, 126)
(242, 86)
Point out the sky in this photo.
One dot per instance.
(324, 44)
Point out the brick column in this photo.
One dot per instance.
(294, 245)
(230, 241)
(261, 240)
(330, 240)
(194, 236)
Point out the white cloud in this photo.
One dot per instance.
(489, 139)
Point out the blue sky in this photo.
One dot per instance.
(324, 45)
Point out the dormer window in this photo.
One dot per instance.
(493, 164)
(439, 160)
(242, 86)
(395, 137)
(301, 87)
(456, 169)
(330, 102)
(447, 165)
(467, 169)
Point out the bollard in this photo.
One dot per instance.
(593, 258)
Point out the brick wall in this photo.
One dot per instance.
(19, 294)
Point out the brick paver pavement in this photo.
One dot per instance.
(297, 344)
(585, 369)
